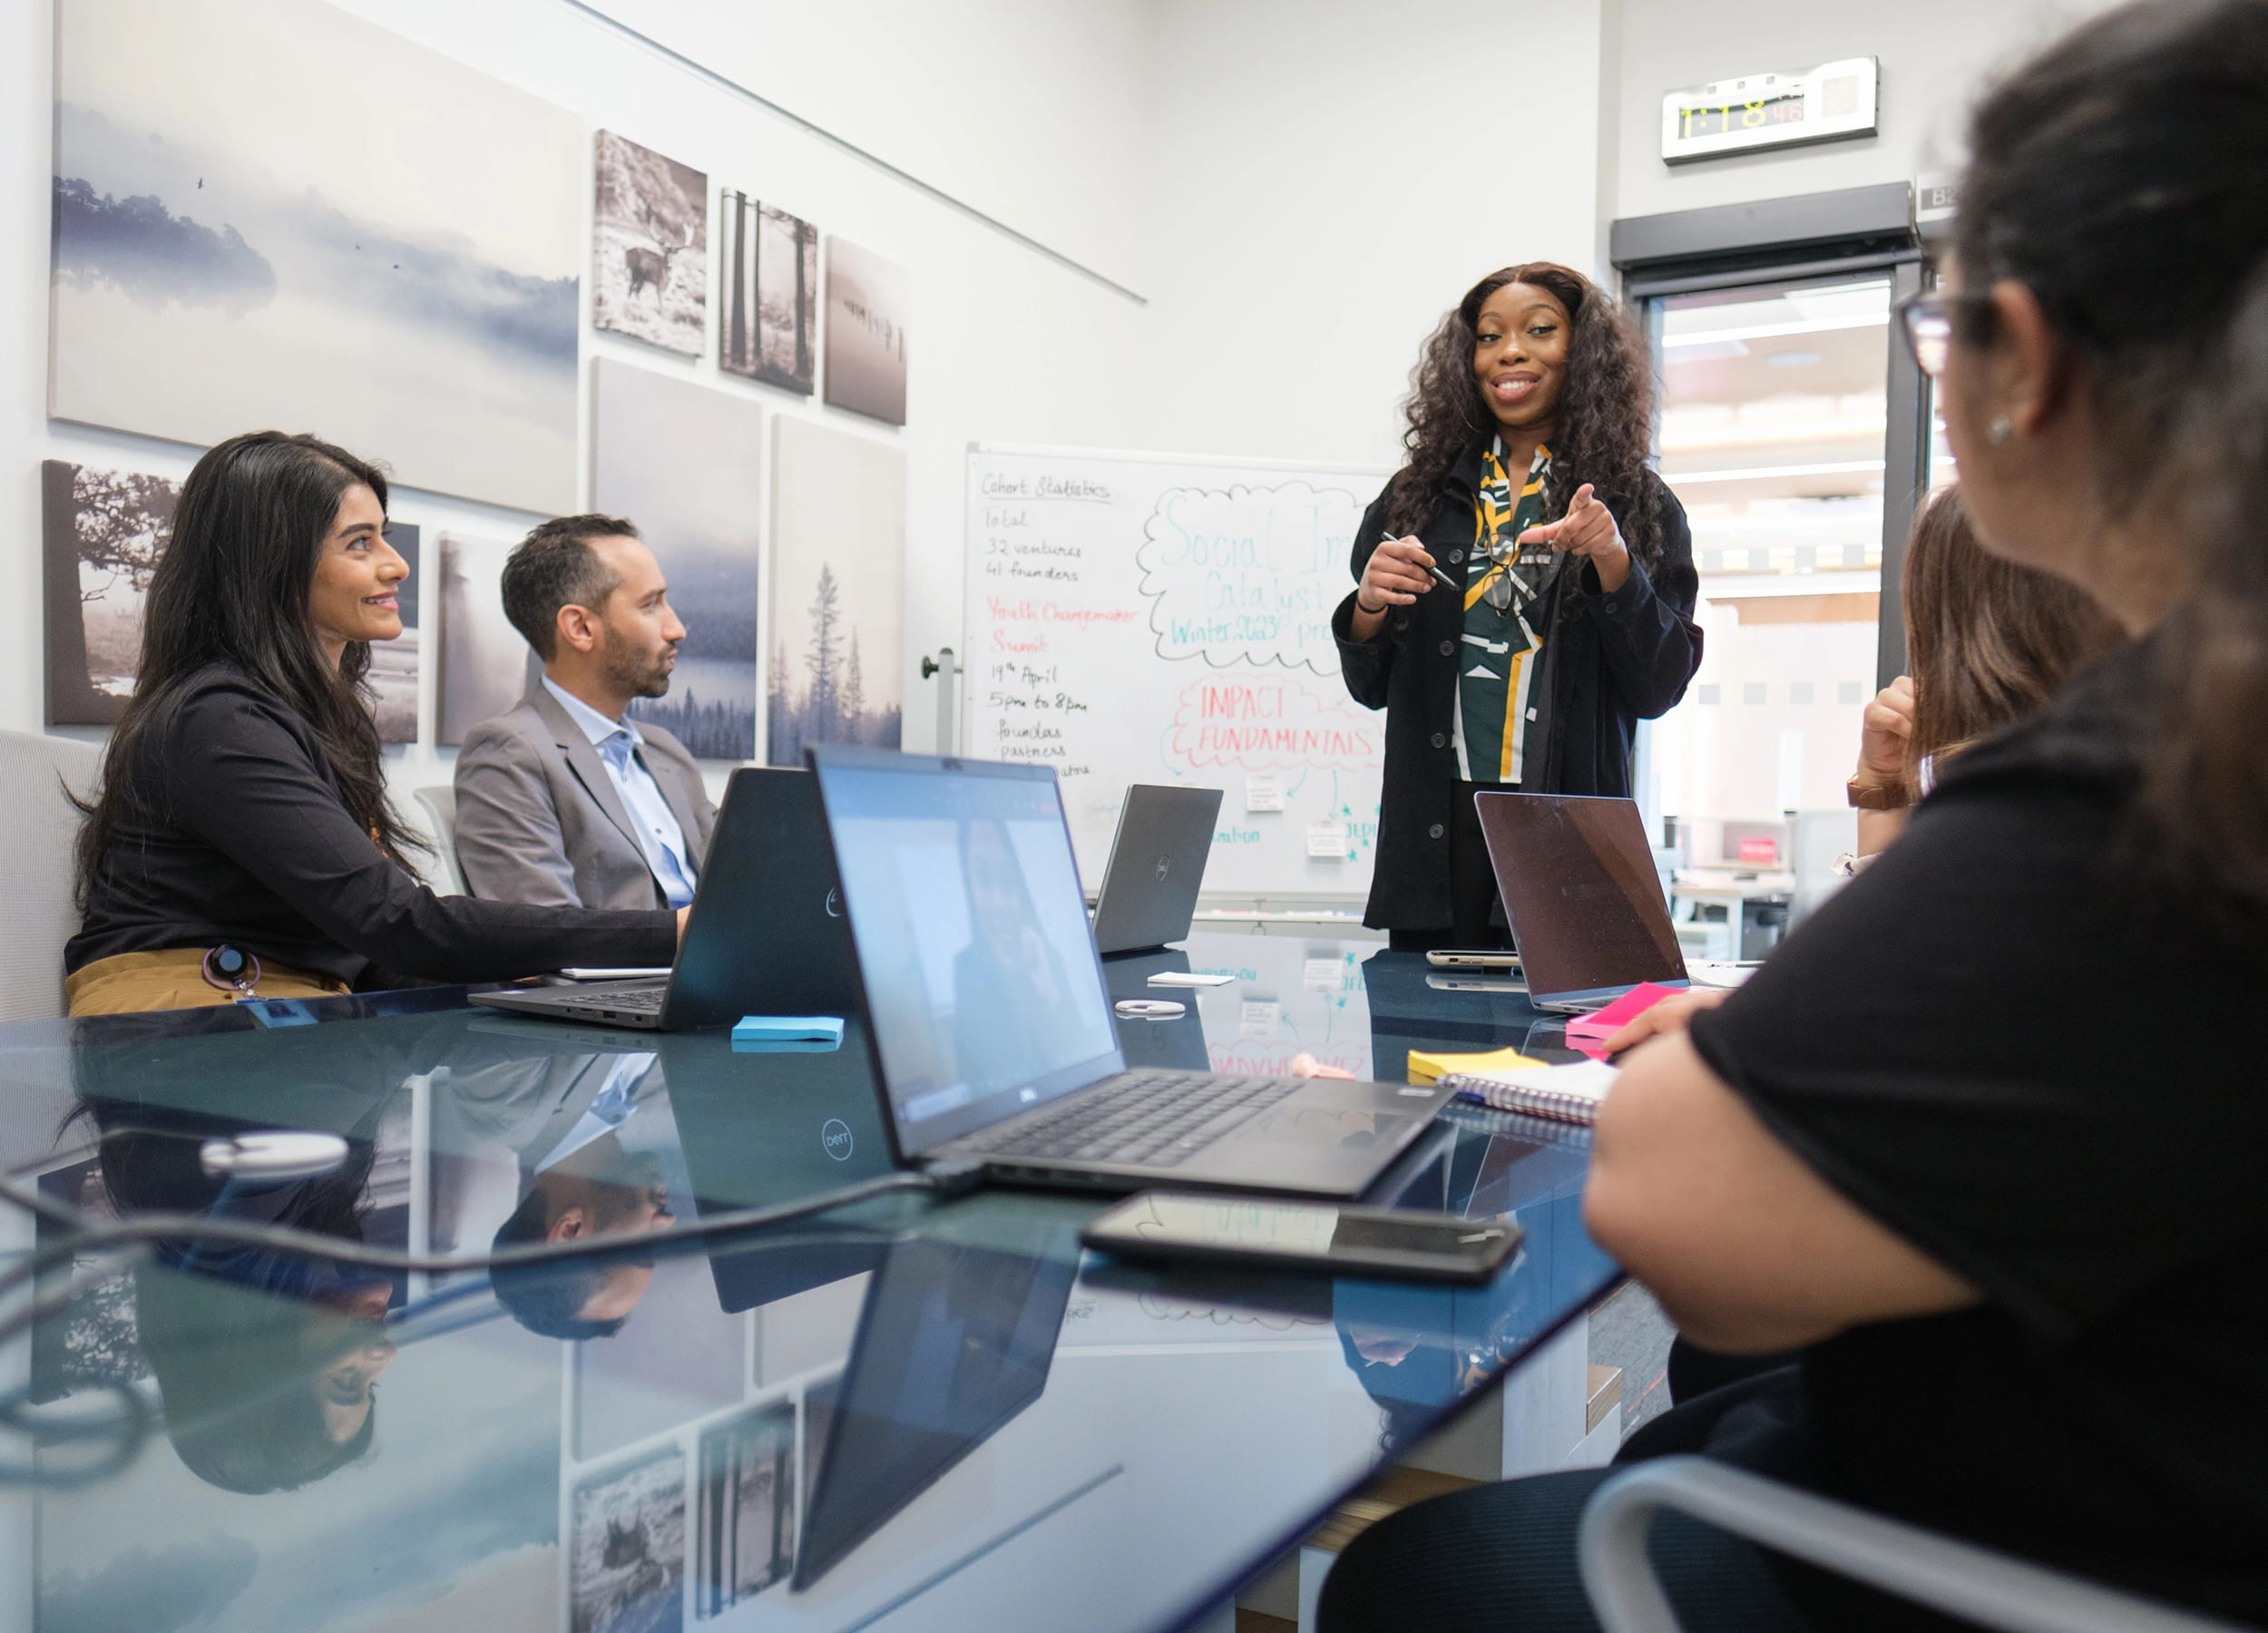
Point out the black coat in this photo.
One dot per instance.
(1609, 661)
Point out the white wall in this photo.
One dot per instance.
(1328, 177)
(996, 331)
(1935, 55)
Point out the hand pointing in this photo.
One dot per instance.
(1588, 530)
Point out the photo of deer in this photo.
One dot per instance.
(865, 333)
(768, 300)
(649, 275)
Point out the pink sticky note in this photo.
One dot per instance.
(1589, 1034)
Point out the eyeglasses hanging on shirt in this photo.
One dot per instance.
(1514, 574)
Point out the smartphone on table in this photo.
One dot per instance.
(1381, 1243)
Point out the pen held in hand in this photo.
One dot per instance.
(1447, 582)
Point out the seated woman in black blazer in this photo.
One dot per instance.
(242, 844)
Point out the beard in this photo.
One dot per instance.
(640, 674)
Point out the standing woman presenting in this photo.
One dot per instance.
(1525, 587)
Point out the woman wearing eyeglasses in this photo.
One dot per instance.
(1917, 1147)
(1525, 589)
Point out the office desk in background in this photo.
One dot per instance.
(1023, 1437)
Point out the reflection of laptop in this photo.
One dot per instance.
(1579, 889)
(766, 936)
(1157, 863)
(991, 1026)
(952, 1342)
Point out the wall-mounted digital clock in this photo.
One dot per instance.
(1826, 104)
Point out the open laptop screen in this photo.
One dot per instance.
(980, 975)
(1579, 889)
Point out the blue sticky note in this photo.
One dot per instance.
(784, 1029)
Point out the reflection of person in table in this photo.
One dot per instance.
(590, 1186)
(1012, 999)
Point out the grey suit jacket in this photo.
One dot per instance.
(538, 819)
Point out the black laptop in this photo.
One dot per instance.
(1158, 858)
(766, 936)
(991, 1027)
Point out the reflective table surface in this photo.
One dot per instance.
(903, 1413)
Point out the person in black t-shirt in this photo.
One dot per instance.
(1985, 1140)
(242, 844)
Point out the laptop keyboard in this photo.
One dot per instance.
(1158, 1118)
(614, 998)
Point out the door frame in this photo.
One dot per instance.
(1810, 235)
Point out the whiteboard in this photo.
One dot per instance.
(1166, 618)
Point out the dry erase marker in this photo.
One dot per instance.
(1436, 572)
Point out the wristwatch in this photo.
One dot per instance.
(1876, 797)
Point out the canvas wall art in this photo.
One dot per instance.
(231, 252)
(101, 532)
(838, 590)
(865, 333)
(394, 663)
(679, 461)
(745, 1539)
(767, 320)
(626, 1551)
(485, 666)
(649, 236)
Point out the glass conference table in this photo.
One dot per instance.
(902, 1414)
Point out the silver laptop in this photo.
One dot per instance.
(991, 1030)
(1157, 865)
(1583, 896)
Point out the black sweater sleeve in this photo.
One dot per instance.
(1365, 665)
(1646, 637)
(238, 771)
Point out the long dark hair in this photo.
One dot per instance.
(1987, 642)
(1606, 409)
(2122, 176)
(232, 587)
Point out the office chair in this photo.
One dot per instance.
(1958, 1577)
(36, 876)
(440, 807)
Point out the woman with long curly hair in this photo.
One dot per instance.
(1525, 587)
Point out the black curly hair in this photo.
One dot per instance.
(1606, 409)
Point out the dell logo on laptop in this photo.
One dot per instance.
(834, 903)
(835, 1137)
(1029, 1094)
(1163, 864)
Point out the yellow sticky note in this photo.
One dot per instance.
(1428, 1066)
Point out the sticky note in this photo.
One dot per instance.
(784, 1029)
(1256, 1018)
(1264, 791)
(1589, 1033)
(1326, 841)
(1430, 1066)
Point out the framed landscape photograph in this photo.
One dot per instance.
(838, 590)
(230, 252)
(768, 319)
(679, 462)
(865, 333)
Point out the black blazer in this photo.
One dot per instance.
(235, 831)
(1609, 661)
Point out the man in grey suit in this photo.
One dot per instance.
(564, 801)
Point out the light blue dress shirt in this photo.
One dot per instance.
(654, 826)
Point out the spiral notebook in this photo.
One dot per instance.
(1570, 1093)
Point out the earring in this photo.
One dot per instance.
(2000, 429)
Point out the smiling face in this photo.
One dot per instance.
(1519, 357)
(357, 574)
